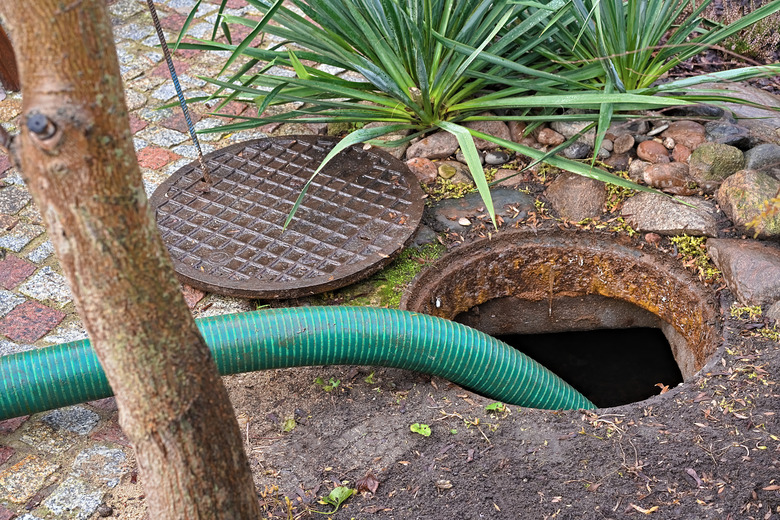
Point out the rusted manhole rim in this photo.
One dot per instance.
(544, 266)
(356, 217)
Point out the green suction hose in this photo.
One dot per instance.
(66, 374)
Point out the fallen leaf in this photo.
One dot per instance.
(692, 473)
(368, 483)
(594, 487)
(773, 487)
(664, 388)
(643, 510)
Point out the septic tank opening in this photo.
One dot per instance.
(525, 283)
(610, 367)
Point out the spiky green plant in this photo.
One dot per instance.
(424, 65)
(638, 41)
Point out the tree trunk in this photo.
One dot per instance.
(76, 155)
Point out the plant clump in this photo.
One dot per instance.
(694, 255)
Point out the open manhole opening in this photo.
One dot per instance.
(577, 289)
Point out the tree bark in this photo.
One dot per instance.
(76, 155)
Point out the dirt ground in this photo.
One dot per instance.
(706, 449)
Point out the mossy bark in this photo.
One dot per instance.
(76, 155)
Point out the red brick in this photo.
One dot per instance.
(177, 121)
(5, 514)
(30, 321)
(162, 69)
(108, 404)
(5, 162)
(6, 452)
(187, 53)
(11, 425)
(233, 109)
(173, 22)
(111, 433)
(191, 295)
(233, 4)
(14, 270)
(137, 124)
(155, 157)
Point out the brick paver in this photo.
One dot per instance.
(30, 321)
(14, 270)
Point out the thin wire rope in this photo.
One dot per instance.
(179, 94)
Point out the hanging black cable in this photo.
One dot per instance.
(182, 102)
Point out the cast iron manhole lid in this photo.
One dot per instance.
(356, 217)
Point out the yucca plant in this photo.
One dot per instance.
(638, 41)
(424, 65)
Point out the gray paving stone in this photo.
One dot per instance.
(163, 137)
(124, 56)
(47, 285)
(191, 152)
(20, 482)
(139, 144)
(155, 115)
(42, 252)
(74, 497)
(14, 177)
(246, 135)
(75, 419)
(125, 8)
(202, 30)
(46, 439)
(164, 92)
(217, 305)
(29, 516)
(330, 69)
(13, 199)
(134, 100)
(66, 333)
(9, 347)
(21, 235)
(149, 187)
(8, 301)
(212, 122)
(133, 31)
(184, 6)
(102, 463)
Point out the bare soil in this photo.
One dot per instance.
(706, 449)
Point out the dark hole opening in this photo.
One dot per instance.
(610, 367)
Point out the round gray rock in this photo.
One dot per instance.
(575, 197)
(711, 163)
(742, 197)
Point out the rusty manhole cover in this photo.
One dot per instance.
(356, 217)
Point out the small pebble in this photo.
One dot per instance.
(656, 131)
(105, 511)
(497, 157)
(669, 143)
(549, 137)
(462, 158)
(446, 171)
(576, 150)
(623, 144)
(463, 221)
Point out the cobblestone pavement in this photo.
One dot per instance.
(69, 463)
